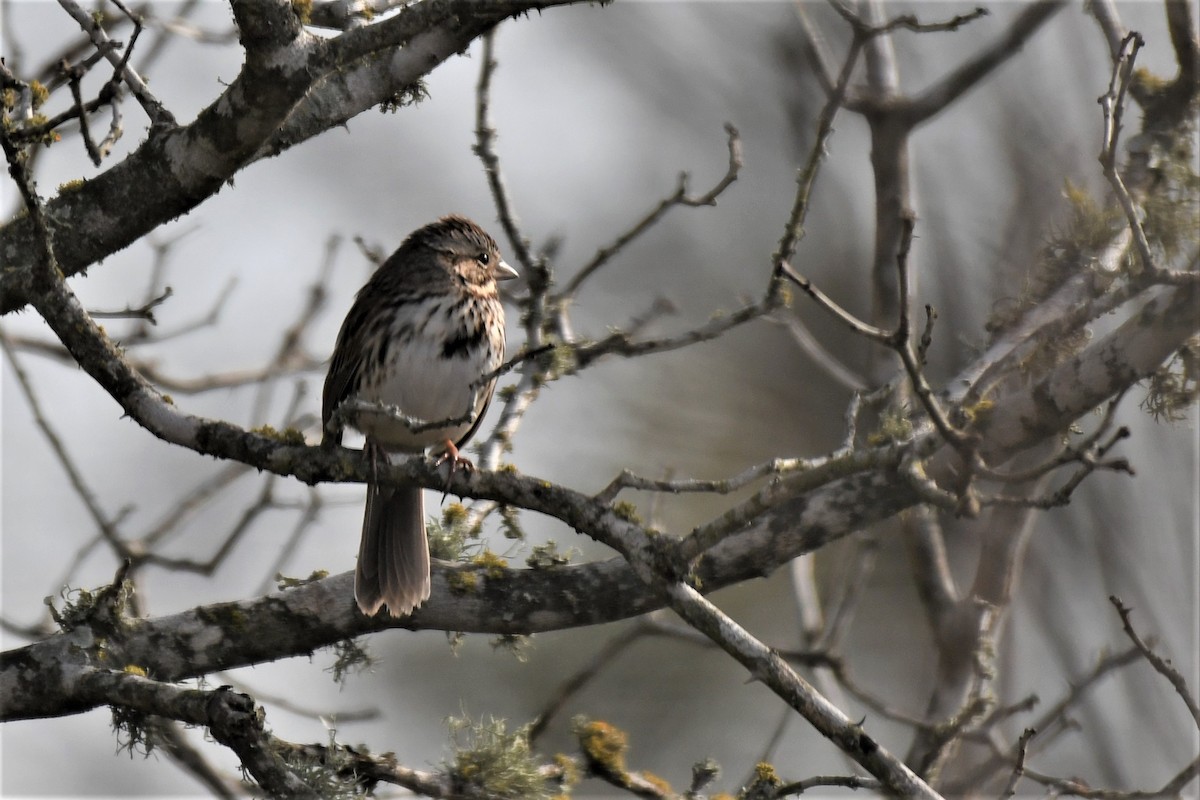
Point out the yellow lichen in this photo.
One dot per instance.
(462, 581)
(303, 9)
(603, 744)
(492, 565)
(40, 94)
(454, 514)
(894, 426)
(626, 511)
(979, 411)
(289, 436)
(765, 774)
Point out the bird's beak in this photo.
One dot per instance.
(504, 272)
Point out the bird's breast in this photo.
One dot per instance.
(430, 364)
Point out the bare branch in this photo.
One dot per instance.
(818, 781)
(485, 137)
(1048, 723)
(679, 197)
(1018, 771)
(1113, 103)
(233, 719)
(816, 352)
(144, 311)
(937, 97)
(767, 666)
(158, 114)
(1161, 665)
(106, 526)
(825, 301)
(574, 683)
(1105, 12)
(619, 343)
(777, 467)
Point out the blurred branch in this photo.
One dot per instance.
(308, 517)
(1067, 787)
(190, 502)
(930, 564)
(574, 683)
(290, 705)
(106, 526)
(852, 584)
(246, 520)
(1109, 20)
(171, 737)
(830, 364)
(968, 75)
(1048, 725)
(1182, 28)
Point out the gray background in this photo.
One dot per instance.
(597, 112)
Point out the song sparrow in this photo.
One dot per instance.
(421, 335)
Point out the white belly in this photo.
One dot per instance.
(428, 386)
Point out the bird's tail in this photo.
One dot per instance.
(393, 557)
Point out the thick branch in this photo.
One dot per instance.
(178, 168)
(785, 520)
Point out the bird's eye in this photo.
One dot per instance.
(484, 258)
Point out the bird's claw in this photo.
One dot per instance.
(456, 460)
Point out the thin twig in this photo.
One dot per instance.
(818, 781)
(574, 683)
(982, 63)
(776, 467)
(1018, 771)
(767, 666)
(679, 197)
(1113, 105)
(806, 178)
(104, 524)
(485, 137)
(1161, 666)
(156, 111)
(143, 312)
(1048, 724)
(819, 354)
(1067, 787)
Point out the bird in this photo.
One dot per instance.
(425, 334)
